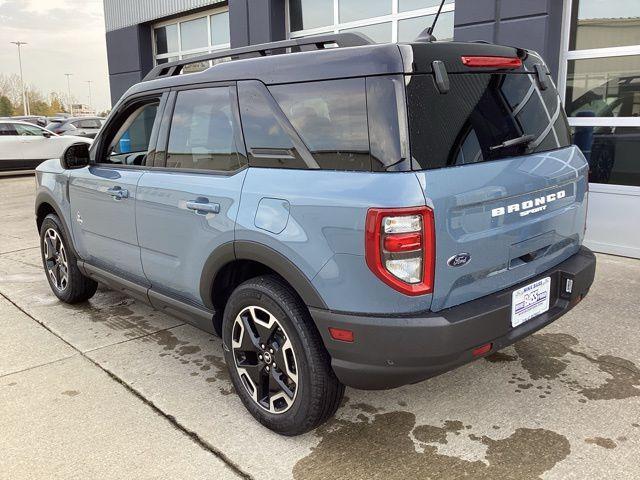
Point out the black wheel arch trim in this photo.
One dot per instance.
(257, 252)
(45, 197)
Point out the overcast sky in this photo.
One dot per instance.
(63, 36)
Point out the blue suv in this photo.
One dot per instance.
(339, 212)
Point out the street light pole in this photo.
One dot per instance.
(68, 75)
(25, 99)
(89, 82)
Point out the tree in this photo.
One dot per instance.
(56, 104)
(6, 108)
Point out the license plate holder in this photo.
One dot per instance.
(530, 301)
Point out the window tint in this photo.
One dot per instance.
(7, 129)
(481, 112)
(28, 130)
(331, 119)
(269, 136)
(131, 143)
(203, 131)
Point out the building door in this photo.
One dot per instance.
(600, 84)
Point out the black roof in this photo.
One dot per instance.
(291, 61)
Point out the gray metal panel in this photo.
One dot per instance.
(124, 13)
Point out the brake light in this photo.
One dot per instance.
(492, 62)
(400, 248)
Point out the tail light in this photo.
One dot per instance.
(400, 248)
(492, 62)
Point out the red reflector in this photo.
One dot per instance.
(340, 334)
(482, 350)
(492, 62)
(403, 242)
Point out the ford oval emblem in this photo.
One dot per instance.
(459, 260)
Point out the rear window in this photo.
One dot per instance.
(53, 125)
(483, 117)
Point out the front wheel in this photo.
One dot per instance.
(60, 264)
(276, 358)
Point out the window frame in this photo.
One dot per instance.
(180, 54)
(394, 17)
(566, 56)
(162, 143)
(112, 126)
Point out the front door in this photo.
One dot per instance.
(187, 209)
(103, 195)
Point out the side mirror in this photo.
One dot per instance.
(75, 156)
(47, 134)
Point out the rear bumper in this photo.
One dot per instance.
(390, 351)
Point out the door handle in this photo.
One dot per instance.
(202, 207)
(118, 193)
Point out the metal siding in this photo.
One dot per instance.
(124, 13)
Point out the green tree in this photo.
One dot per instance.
(6, 108)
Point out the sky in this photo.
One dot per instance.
(63, 36)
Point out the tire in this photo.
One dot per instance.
(58, 257)
(309, 392)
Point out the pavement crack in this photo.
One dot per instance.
(197, 439)
(37, 366)
(18, 250)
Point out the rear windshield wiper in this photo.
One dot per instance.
(524, 139)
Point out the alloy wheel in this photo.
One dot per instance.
(55, 257)
(265, 359)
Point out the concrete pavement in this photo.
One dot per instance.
(114, 389)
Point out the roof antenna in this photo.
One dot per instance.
(427, 34)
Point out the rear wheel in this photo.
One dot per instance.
(276, 358)
(60, 264)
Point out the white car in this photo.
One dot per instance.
(24, 146)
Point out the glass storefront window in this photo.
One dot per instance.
(612, 153)
(379, 33)
(352, 10)
(604, 23)
(603, 87)
(194, 33)
(220, 29)
(307, 14)
(167, 39)
(191, 36)
(406, 5)
(409, 29)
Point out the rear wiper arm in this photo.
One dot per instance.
(524, 139)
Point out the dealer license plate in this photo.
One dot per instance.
(530, 301)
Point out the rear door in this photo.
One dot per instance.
(10, 152)
(187, 205)
(103, 195)
(495, 161)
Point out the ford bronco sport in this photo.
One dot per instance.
(340, 212)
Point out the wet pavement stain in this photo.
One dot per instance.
(432, 434)
(382, 448)
(602, 442)
(365, 408)
(71, 393)
(500, 357)
(547, 356)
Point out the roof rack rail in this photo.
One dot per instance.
(318, 42)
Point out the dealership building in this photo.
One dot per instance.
(592, 48)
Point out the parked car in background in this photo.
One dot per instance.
(33, 119)
(77, 126)
(24, 146)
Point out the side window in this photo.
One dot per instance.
(28, 130)
(130, 143)
(7, 130)
(270, 138)
(203, 131)
(331, 118)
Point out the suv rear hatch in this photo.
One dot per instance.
(491, 143)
